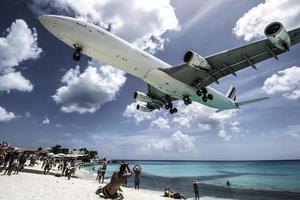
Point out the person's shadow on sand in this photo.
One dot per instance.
(119, 197)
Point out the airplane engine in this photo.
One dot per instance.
(278, 35)
(142, 97)
(194, 60)
(143, 108)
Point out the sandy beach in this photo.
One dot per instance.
(34, 186)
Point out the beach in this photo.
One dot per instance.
(32, 185)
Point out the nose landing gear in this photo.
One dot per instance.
(77, 53)
(203, 92)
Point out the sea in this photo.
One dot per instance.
(248, 179)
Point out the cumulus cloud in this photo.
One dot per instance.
(88, 91)
(161, 123)
(15, 81)
(286, 82)
(203, 118)
(124, 19)
(177, 143)
(138, 116)
(46, 120)
(6, 116)
(19, 44)
(194, 116)
(252, 24)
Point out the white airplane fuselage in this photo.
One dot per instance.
(103, 45)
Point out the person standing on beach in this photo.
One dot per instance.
(137, 172)
(103, 169)
(127, 170)
(22, 161)
(64, 168)
(196, 190)
(47, 166)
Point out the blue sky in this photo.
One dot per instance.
(46, 98)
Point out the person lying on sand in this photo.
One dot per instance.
(110, 190)
(171, 194)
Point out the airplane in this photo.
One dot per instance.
(188, 81)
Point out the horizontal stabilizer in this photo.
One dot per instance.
(240, 103)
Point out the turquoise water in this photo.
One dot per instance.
(269, 175)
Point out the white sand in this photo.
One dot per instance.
(29, 186)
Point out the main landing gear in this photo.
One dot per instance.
(203, 92)
(169, 106)
(187, 100)
(77, 53)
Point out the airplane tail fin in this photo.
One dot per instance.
(244, 102)
(231, 93)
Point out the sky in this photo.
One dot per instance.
(46, 98)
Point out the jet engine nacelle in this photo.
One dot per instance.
(278, 36)
(142, 97)
(143, 108)
(195, 60)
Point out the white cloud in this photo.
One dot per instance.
(20, 44)
(6, 116)
(46, 120)
(88, 91)
(252, 24)
(223, 134)
(235, 127)
(141, 22)
(286, 82)
(203, 118)
(15, 81)
(27, 114)
(138, 116)
(177, 143)
(161, 123)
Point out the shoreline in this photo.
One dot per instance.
(32, 184)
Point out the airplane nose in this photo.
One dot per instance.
(45, 20)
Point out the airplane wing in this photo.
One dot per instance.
(230, 61)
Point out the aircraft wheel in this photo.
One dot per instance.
(204, 90)
(210, 96)
(76, 56)
(189, 101)
(175, 110)
(186, 102)
(204, 98)
(167, 106)
(199, 93)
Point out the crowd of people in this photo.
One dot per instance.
(12, 161)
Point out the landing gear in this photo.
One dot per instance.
(187, 100)
(173, 110)
(169, 105)
(77, 53)
(203, 92)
